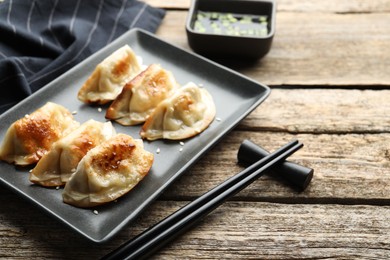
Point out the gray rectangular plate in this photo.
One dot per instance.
(235, 96)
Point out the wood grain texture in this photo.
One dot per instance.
(312, 52)
(170, 4)
(335, 6)
(348, 169)
(236, 230)
(280, 231)
(346, 137)
(337, 111)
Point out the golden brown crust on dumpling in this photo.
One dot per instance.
(109, 77)
(30, 137)
(140, 96)
(108, 171)
(185, 114)
(56, 167)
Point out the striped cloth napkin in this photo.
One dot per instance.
(40, 40)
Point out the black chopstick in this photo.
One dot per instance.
(167, 229)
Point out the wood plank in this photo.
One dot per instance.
(170, 4)
(307, 52)
(348, 169)
(317, 111)
(279, 231)
(172, 28)
(239, 230)
(335, 6)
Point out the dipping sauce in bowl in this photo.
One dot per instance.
(232, 24)
(231, 29)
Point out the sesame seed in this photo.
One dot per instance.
(200, 85)
(95, 212)
(181, 149)
(99, 109)
(26, 115)
(158, 150)
(58, 187)
(181, 143)
(218, 119)
(74, 112)
(30, 171)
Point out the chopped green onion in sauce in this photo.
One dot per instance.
(231, 24)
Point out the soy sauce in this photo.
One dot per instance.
(231, 24)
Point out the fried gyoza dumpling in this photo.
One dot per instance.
(109, 77)
(30, 137)
(141, 95)
(56, 167)
(185, 114)
(108, 171)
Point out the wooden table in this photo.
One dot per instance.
(329, 70)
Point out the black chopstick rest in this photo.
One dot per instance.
(298, 175)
